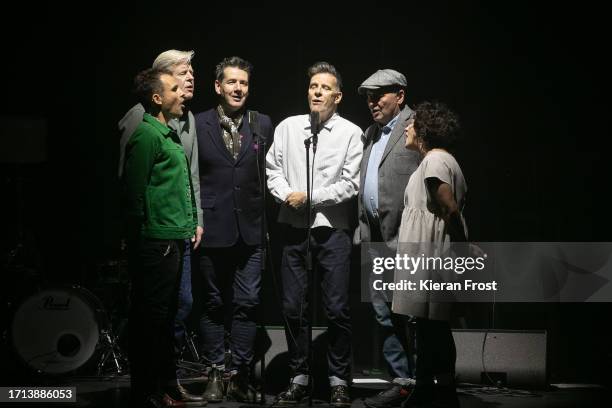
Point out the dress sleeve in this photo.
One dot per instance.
(437, 167)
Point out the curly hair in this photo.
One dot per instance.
(436, 125)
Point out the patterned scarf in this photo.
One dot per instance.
(231, 136)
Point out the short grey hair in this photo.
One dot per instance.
(168, 59)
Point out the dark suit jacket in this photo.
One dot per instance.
(396, 166)
(230, 189)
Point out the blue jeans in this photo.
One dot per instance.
(232, 279)
(399, 363)
(185, 299)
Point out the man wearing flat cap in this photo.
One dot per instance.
(385, 170)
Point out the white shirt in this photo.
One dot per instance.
(336, 169)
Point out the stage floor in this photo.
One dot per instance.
(114, 392)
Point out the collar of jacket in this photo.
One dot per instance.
(328, 124)
(163, 129)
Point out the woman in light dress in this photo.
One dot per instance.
(432, 218)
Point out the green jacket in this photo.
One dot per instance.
(159, 195)
(184, 127)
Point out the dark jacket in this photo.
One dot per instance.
(230, 189)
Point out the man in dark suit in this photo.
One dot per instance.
(229, 137)
(385, 170)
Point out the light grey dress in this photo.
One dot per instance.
(421, 223)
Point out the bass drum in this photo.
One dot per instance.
(57, 330)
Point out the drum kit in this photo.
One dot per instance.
(68, 329)
(72, 330)
(59, 330)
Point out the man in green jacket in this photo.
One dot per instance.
(160, 214)
(179, 63)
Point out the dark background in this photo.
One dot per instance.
(529, 83)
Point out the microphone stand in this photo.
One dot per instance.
(309, 270)
(261, 150)
(260, 154)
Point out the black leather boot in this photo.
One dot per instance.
(214, 388)
(294, 395)
(241, 390)
(340, 396)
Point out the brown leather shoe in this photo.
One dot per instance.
(389, 398)
(188, 397)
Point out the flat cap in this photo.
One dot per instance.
(382, 78)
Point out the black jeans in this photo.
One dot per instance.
(436, 352)
(155, 269)
(231, 281)
(331, 251)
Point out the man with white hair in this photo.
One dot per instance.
(179, 63)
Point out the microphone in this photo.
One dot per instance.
(314, 128)
(254, 125)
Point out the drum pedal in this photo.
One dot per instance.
(111, 353)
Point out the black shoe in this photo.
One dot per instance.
(214, 388)
(239, 389)
(420, 396)
(188, 397)
(153, 401)
(340, 396)
(294, 395)
(445, 397)
(390, 398)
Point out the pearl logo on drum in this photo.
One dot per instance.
(50, 304)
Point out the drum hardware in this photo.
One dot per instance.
(111, 353)
(190, 344)
(192, 366)
(189, 358)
